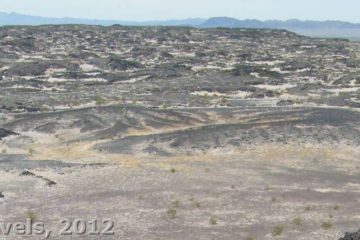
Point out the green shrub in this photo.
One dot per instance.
(327, 225)
(278, 230)
(297, 221)
(213, 220)
(100, 101)
(171, 213)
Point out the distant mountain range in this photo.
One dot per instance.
(333, 29)
(309, 28)
(289, 24)
(21, 19)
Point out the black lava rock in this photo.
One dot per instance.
(5, 133)
(351, 236)
(26, 174)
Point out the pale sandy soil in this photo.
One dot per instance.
(249, 190)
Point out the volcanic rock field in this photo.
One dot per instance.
(180, 133)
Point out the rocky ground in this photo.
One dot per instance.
(180, 133)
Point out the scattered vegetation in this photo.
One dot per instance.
(175, 204)
(278, 230)
(207, 98)
(165, 106)
(213, 220)
(100, 101)
(297, 221)
(223, 101)
(327, 225)
(31, 151)
(171, 213)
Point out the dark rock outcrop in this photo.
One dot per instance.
(5, 133)
(351, 236)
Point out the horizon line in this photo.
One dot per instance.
(177, 19)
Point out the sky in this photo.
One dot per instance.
(140, 10)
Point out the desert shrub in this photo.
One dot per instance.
(100, 101)
(327, 225)
(213, 220)
(297, 221)
(171, 213)
(278, 230)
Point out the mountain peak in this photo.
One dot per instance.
(221, 22)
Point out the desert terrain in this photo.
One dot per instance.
(180, 133)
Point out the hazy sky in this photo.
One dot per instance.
(347, 10)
